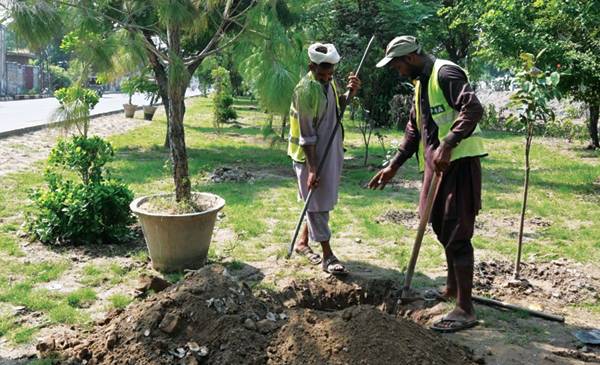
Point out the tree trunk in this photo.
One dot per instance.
(524, 206)
(593, 126)
(165, 100)
(183, 187)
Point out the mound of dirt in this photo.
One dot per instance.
(211, 318)
(408, 218)
(208, 317)
(231, 174)
(360, 335)
(332, 294)
(560, 281)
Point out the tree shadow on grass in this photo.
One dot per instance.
(140, 166)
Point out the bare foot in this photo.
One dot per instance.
(457, 314)
(456, 320)
(448, 294)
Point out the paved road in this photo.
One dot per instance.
(20, 114)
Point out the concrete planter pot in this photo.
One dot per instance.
(129, 110)
(149, 112)
(177, 242)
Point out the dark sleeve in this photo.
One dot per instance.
(462, 98)
(410, 143)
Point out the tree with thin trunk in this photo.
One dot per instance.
(366, 125)
(535, 89)
(177, 35)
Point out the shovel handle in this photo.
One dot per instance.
(410, 271)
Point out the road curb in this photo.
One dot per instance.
(34, 128)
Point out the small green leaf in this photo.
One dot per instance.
(555, 77)
(528, 59)
(540, 54)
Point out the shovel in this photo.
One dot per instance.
(410, 271)
(405, 297)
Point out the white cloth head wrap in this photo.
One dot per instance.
(317, 57)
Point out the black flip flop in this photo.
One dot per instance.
(329, 265)
(310, 255)
(453, 325)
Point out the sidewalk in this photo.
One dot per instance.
(23, 116)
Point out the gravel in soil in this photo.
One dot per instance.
(212, 318)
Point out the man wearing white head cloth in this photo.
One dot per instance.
(313, 116)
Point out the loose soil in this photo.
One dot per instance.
(166, 204)
(212, 318)
(560, 282)
(485, 224)
(408, 218)
(231, 174)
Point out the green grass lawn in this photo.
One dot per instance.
(564, 193)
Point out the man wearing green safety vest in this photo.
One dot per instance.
(313, 116)
(443, 131)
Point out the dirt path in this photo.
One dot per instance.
(19, 153)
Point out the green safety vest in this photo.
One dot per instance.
(444, 116)
(311, 91)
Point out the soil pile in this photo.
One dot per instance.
(559, 281)
(207, 318)
(231, 174)
(408, 218)
(332, 294)
(360, 335)
(211, 318)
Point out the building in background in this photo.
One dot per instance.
(2, 61)
(17, 75)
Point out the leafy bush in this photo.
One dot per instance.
(222, 99)
(93, 209)
(88, 97)
(86, 156)
(225, 111)
(59, 77)
(75, 105)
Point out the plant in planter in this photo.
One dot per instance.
(91, 208)
(150, 88)
(130, 86)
